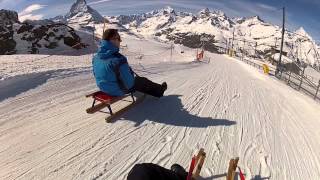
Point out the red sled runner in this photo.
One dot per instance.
(107, 100)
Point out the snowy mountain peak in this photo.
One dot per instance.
(185, 28)
(302, 32)
(78, 6)
(207, 13)
(219, 13)
(169, 10)
(238, 20)
(204, 12)
(250, 21)
(81, 13)
(165, 11)
(254, 19)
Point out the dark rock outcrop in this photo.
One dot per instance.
(33, 34)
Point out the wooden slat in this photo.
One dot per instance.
(201, 157)
(200, 153)
(233, 163)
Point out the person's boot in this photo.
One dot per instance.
(164, 86)
(179, 170)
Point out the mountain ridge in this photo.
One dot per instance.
(168, 24)
(80, 13)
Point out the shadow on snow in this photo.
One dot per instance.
(16, 85)
(169, 110)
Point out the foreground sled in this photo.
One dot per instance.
(107, 100)
(233, 164)
(196, 165)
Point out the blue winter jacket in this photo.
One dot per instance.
(111, 70)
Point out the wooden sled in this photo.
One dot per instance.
(107, 100)
(233, 164)
(196, 165)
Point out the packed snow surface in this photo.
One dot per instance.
(227, 107)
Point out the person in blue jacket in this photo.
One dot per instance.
(113, 74)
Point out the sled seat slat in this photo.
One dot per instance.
(105, 99)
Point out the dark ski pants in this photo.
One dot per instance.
(146, 86)
(148, 171)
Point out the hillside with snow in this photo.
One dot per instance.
(50, 36)
(213, 30)
(226, 107)
(252, 33)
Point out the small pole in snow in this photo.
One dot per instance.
(232, 39)
(171, 52)
(255, 50)
(244, 45)
(301, 78)
(282, 41)
(93, 34)
(230, 48)
(315, 96)
(300, 52)
(275, 43)
(242, 53)
(289, 77)
(226, 46)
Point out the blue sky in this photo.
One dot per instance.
(304, 13)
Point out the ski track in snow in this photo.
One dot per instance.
(226, 107)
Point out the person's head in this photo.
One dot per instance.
(113, 36)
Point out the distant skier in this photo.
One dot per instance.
(113, 74)
(148, 171)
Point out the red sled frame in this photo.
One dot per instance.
(105, 101)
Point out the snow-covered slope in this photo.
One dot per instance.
(226, 107)
(167, 24)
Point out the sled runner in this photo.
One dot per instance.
(196, 165)
(107, 100)
(233, 164)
